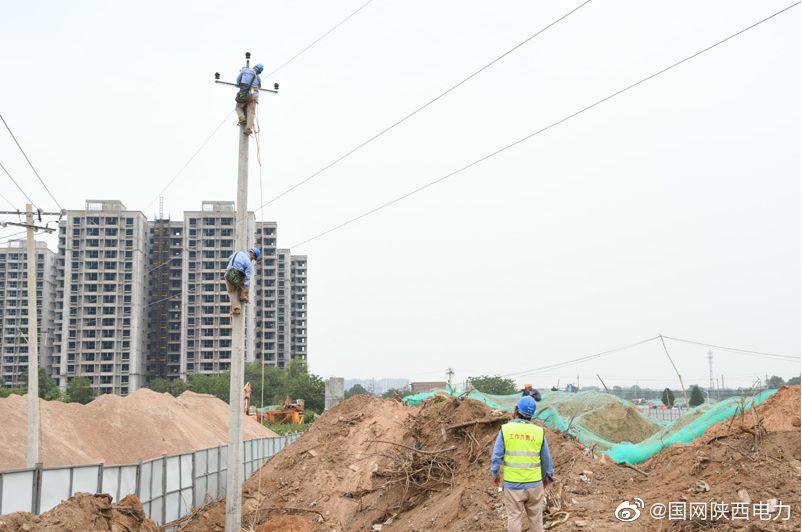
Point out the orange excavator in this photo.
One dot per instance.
(291, 412)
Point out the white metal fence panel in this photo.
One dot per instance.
(169, 487)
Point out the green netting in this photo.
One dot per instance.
(611, 424)
(687, 428)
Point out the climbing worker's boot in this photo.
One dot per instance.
(236, 311)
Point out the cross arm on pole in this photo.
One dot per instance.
(235, 85)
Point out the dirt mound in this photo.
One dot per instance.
(617, 423)
(84, 511)
(118, 430)
(370, 461)
(779, 413)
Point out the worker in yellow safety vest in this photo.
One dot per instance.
(522, 449)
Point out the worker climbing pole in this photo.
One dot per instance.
(237, 283)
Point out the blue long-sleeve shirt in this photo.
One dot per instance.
(498, 459)
(241, 261)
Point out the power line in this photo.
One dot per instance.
(425, 105)
(6, 200)
(544, 129)
(231, 112)
(203, 145)
(17, 184)
(735, 349)
(10, 237)
(30, 163)
(343, 21)
(579, 359)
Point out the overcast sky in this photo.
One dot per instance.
(673, 208)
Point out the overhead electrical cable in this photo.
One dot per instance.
(30, 164)
(424, 106)
(17, 184)
(735, 349)
(343, 21)
(231, 112)
(541, 130)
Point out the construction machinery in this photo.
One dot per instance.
(290, 412)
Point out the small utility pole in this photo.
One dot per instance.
(33, 346)
(32, 456)
(682, 386)
(605, 386)
(237, 367)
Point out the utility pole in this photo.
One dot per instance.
(450, 375)
(682, 386)
(32, 456)
(605, 386)
(33, 346)
(237, 367)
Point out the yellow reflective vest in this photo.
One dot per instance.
(522, 443)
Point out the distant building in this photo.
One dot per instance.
(165, 268)
(206, 320)
(100, 316)
(335, 392)
(14, 308)
(126, 300)
(418, 387)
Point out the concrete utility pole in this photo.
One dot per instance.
(33, 346)
(710, 389)
(32, 457)
(237, 367)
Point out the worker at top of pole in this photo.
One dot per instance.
(522, 448)
(238, 277)
(247, 98)
(529, 391)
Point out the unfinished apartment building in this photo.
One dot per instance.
(205, 321)
(265, 294)
(14, 308)
(101, 290)
(165, 259)
(298, 307)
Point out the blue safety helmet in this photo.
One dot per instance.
(256, 252)
(527, 406)
(258, 68)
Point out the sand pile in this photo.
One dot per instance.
(118, 430)
(617, 423)
(82, 512)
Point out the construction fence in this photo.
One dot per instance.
(169, 486)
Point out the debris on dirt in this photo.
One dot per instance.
(84, 511)
(380, 463)
(778, 413)
(118, 430)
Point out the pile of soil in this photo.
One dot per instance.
(118, 430)
(617, 423)
(779, 413)
(84, 511)
(365, 463)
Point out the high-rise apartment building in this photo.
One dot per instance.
(100, 305)
(298, 306)
(205, 320)
(165, 268)
(14, 308)
(265, 294)
(126, 300)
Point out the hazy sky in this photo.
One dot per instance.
(673, 208)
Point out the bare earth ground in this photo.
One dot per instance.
(373, 462)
